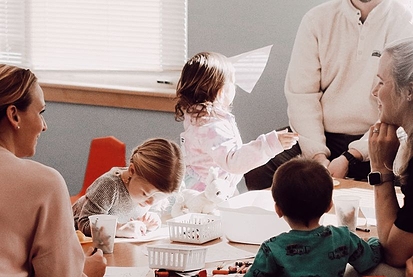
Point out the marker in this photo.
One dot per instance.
(223, 271)
(164, 82)
(362, 229)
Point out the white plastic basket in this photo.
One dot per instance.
(176, 257)
(194, 228)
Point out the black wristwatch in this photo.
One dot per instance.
(350, 158)
(375, 178)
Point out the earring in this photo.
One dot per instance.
(18, 127)
(409, 98)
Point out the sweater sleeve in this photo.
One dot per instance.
(56, 251)
(226, 151)
(99, 199)
(362, 145)
(303, 92)
(364, 255)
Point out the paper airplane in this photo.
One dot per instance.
(249, 67)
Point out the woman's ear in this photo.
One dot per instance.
(409, 95)
(12, 114)
(278, 210)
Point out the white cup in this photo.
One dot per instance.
(103, 229)
(347, 210)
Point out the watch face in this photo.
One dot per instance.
(374, 178)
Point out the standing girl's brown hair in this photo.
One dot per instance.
(202, 78)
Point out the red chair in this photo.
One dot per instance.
(104, 153)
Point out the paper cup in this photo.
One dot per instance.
(103, 229)
(347, 210)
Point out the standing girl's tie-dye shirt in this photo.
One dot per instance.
(215, 141)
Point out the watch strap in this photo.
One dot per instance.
(387, 177)
(350, 158)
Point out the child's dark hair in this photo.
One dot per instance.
(302, 189)
(202, 77)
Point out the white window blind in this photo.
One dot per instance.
(130, 35)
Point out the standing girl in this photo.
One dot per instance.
(211, 138)
(155, 170)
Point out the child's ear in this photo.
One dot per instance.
(278, 210)
(131, 169)
(329, 206)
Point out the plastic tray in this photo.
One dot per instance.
(176, 257)
(195, 228)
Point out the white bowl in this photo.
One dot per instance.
(250, 218)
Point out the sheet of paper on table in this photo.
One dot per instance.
(158, 234)
(366, 203)
(115, 271)
(225, 252)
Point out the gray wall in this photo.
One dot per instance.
(229, 27)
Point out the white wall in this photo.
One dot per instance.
(226, 26)
(235, 26)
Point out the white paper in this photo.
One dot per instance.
(160, 233)
(366, 202)
(225, 252)
(249, 67)
(370, 214)
(115, 271)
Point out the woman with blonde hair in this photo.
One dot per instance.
(36, 235)
(394, 93)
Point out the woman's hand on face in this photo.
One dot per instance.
(152, 221)
(132, 229)
(383, 146)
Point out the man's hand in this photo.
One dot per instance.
(338, 167)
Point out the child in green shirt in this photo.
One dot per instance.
(302, 190)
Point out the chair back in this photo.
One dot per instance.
(104, 153)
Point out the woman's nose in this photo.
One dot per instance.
(44, 125)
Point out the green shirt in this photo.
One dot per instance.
(324, 251)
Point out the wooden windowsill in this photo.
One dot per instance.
(134, 90)
(146, 99)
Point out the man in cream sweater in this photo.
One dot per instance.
(328, 85)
